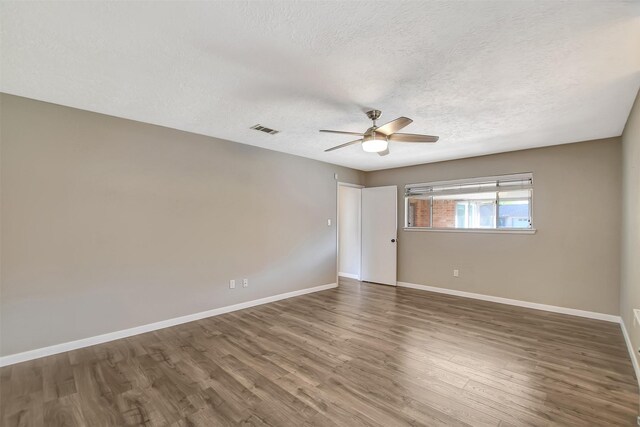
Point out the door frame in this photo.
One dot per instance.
(338, 185)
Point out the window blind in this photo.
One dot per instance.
(523, 181)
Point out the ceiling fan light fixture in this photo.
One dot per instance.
(375, 145)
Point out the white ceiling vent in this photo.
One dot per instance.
(265, 129)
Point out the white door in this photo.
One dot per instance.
(379, 234)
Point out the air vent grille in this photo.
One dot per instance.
(265, 129)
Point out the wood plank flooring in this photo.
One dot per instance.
(359, 355)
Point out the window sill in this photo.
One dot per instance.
(473, 230)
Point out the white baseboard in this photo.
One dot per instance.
(99, 339)
(349, 275)
(632, 352)
(526, 304)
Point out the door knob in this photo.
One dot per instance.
(393, 240)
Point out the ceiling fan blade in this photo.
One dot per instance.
(383, 153)
(342, 132)
(412, 137)
(394, 125)
(346, 144)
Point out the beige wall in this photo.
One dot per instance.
(630, 265)
(573, 259)
(109, 224)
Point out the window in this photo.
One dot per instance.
(490, 203)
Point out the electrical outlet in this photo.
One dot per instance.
(456, 273)
(232, 284)
(245, 283)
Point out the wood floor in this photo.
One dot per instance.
(359, 355)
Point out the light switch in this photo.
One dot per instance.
(328, 223)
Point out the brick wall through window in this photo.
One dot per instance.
(444, 213)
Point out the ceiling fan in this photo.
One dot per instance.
(376, 139)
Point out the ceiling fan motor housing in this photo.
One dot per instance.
(372, 134)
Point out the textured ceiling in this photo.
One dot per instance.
(487, 76)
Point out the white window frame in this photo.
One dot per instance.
(487, 180)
